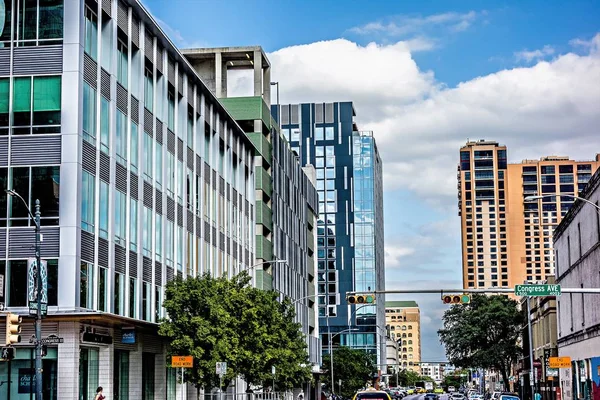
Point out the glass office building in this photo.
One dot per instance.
(350, 227)
(142, 176)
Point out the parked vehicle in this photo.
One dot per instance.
(451, 389)
(431, 396)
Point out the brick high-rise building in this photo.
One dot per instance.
(506, 239)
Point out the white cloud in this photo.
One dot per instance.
(534, 55)
(592, 45)
(394, 254)
(403, 25)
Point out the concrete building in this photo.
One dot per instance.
(350, 227)
(433, 370)
(404, 319)
(506, 240)
(286, 198)
(544, 339)
(142, 176)
(577, 252)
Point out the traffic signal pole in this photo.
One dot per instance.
(490, 290)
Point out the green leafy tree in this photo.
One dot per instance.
(453, 380)
(354, 367)
(483, 334)
(408, 377)
(220, 319)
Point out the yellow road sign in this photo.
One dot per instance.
(182, 362)
(559, 362)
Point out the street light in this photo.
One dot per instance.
(529, 199)
(38, 316)
(331, 349)
(278, 107)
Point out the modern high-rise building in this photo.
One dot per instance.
(142, 175)
(350, 227)
(404, 321)
(507, 240)
(286, 198)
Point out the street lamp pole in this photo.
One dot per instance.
(38, 298)
(278, 107)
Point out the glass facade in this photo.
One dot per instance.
(350, 253)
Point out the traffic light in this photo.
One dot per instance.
(13, 328)
(8, 353)
(456, 299)
(361, 298)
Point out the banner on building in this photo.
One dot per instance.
(32, 286)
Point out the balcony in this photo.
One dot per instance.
(263, 146)
(264, 248)
(264, 215)
(249, 108)
(264, 280)
(263, 181)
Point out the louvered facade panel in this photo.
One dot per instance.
(198, 226)
(190, 222)
(171, 71)
(88, 157)
(207, 231)
(26, 60)
(158, 273)
(206, 173)
(25, 150)
(170, 141)
(190, 158)
(122, 98)
(105, 84)
(294, 115)
(159, 203)
(121, 178)
(147, 270)
(3, 243)
(148, 122)
(5, 61)
(160, 58)
(104, 167)
(159, 131)
(221, 241)
(133, 185)
(122, 18)
(107, 7)
(222, 186)
(21, 242)
(135, 110)
(179, 214)
(90, 71)
(133, 264)
(148, 195)
(3, 151)
(135, 32)
(170, 209)
(180, 82)
(179, 149)
(88, 248)
(198, 165)
(149, 46)
(103, 252)
(235, 250)
(170, 274)
(120, 259)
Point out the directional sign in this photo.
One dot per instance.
(52, 339)
(221, 368)
(559, 362)
(537, 290)
(182, 362)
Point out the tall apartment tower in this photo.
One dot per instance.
(350, 227)
(142, 175)
(286, 198)
(507, 240)
(404, 321)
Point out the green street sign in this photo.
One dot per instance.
(537, 290)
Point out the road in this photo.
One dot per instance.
(422, 397)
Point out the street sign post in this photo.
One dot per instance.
(559, 362)
(221, 371)
(182, 362)
(537, 290)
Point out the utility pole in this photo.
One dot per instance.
(38, 318)
(531, 367)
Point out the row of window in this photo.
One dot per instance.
(36, 22)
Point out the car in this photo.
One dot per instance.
(508, 396)
(451, 389)
(421, 390)
(432, 396)
(495, 395)
(457, 396)
(438, 391)
(371, 394)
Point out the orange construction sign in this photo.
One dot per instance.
(182, 362)
(559, 362)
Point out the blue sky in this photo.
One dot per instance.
(524, 73)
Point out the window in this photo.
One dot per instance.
(86, 285)
(158, 230)
(329, 133)
(46, 99)
(122, 59)
(147, 232)
(120, 222)
(171, 108)
(89, 113)
(180, 181)
(88, 198)
(158, 163)
(146, 301)
(4, 103)
(39, 22)
(103, 208)
(319, 133)
(104, 124)
(190, 128)
(133, 224)
(102, 289)
(91, 33)
(132, 297)
(121, 137)
(170, 173)
(119, 289)
(148, 89)
(134, 147)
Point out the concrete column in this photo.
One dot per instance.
(258, 74)
(218, 75)
(106, 358)
(267, 85)
(68, 361)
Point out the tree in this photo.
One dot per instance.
(483, 334)
(408, 377)
(220, 319)
(453, 380)
(354, 367)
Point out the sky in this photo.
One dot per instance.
(424, 76)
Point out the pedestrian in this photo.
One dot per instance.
(99, 395)
(537, 396)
